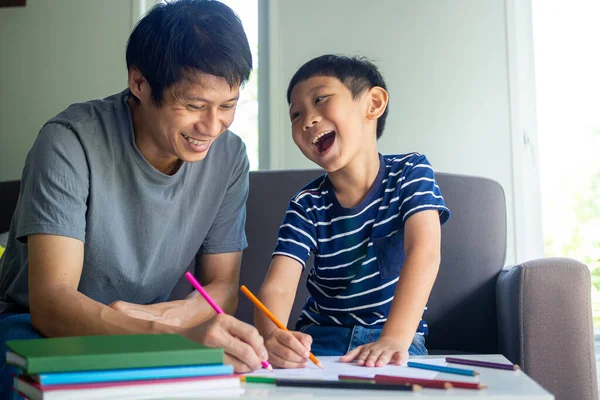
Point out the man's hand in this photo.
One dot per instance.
(288, 349)
(244, 347)
(379, 353)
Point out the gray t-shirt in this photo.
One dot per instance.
(85, 178)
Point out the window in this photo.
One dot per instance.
(245, 123)
(568, 104)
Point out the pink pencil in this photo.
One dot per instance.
(215, 306)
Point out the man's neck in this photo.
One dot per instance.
(147, 146)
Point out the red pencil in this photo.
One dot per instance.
(426, 382)
(354, 378)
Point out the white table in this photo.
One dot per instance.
(502, 385)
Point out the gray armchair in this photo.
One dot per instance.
(537, 314)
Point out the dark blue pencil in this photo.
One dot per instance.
(487, 364)
(369, 385)
(449, 370)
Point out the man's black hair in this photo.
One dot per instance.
(179, 38)
(357, 73)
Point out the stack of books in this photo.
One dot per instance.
(120, 367)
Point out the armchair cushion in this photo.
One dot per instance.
(461, 310)
(545, 325)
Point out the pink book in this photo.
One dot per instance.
(142, 388)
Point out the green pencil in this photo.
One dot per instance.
(257, 379)
(317, 383)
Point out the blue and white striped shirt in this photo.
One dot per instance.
(358, 252)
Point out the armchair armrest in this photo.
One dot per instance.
(545, 325)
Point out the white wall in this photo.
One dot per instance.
(54, 53)
(446, 65)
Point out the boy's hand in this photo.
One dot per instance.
(384, 351)
(288, 349)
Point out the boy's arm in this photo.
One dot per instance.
(422, 242)
(286, 349)
(296, 238)
(278, 292)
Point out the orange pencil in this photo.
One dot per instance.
(274, 319)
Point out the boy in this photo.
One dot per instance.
(372, 223)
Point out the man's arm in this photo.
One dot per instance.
(218, 262)
(219, 274)
(58, 309)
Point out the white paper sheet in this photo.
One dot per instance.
(332, 368)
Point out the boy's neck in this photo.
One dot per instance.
(353, 182)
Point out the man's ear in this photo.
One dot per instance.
(377, 102)
(138, 85)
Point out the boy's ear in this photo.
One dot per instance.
(377, 102)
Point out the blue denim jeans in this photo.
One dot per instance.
(12, 326)
(338, 340)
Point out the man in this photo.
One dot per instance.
(119, 196)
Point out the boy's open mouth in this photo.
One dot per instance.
(324, 141)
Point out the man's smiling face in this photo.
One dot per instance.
(193, 113)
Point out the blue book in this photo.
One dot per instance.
(113, 375)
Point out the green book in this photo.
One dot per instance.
(87, 353)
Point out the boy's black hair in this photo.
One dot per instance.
(357, 73)
(186, 36)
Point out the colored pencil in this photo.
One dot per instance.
(427, 382)
(369, 385)
(215, 306)
(354, 378)
(358, 383)
(439, 368)
(389, 379)
(487, 364)
(257, 379)
(274, 319)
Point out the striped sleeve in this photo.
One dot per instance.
(419, 190)
(297, 236)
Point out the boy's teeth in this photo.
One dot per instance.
(315, 140)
